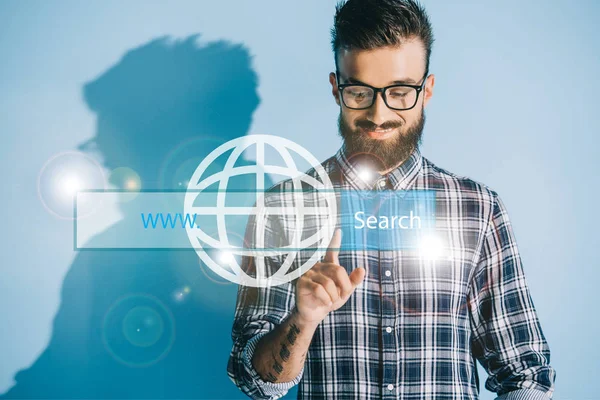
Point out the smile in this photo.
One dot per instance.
(379, 133)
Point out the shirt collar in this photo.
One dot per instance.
(400, 178)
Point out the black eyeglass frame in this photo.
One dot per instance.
(418, 88)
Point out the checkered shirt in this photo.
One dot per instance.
(415, 327)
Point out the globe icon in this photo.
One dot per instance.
(309, 207)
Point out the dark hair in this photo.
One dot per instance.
(370, 24)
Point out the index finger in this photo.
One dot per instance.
(331, 256)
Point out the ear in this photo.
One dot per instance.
(334, 88)
(428, 89)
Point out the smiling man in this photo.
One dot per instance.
(390, 323)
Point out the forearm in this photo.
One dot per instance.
(281, 353)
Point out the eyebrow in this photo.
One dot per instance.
(403, 81)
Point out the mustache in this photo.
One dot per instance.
(368, 125)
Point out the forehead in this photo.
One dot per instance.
(381, 66)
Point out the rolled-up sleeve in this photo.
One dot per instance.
(506, 334)
(259, 310)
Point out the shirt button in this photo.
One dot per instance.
(388, 329)
(388, 273)
(381, 183)
(390, 387)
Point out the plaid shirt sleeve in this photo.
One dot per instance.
(258, 311)
(507, 337)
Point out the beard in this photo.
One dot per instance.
(384, 154)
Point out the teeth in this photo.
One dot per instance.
(379, 130)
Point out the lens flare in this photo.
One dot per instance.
(226, 258)
(365, 174)
(431, 247)
(62, 177)
(127, 181)
(138, 330)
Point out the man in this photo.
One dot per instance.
(387, 323)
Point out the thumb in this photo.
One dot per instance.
(357, 276)
(331, 256)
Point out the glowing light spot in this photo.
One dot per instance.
(226, 257)
(131, 184)
(70, 185)
(365, 174)
(180, 294)
(64, 176)
(128, 180)
(431, 247)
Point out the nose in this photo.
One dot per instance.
(378, 113)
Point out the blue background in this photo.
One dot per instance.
(514, 107)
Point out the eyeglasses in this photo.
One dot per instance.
(359, 96)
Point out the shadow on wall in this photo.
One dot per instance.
(150, 324)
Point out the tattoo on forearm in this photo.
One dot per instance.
(293, 334)
(271, 377)
(284, 353)
(277, 367)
